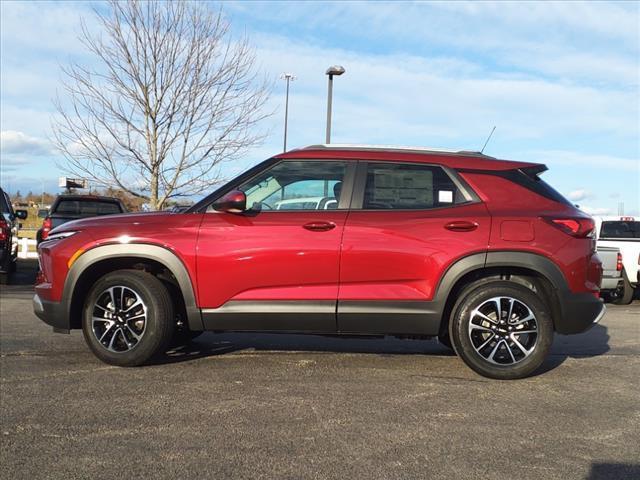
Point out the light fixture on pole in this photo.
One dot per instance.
(331, 71)
(289, 78)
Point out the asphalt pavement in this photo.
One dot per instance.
(308, 407)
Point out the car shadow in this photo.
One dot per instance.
(592, 343)
(611, 471)
(211, 344)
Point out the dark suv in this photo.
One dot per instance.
(478, 252)
(8, 236)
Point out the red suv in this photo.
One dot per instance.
(338, 240)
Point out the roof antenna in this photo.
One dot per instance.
(488, 138)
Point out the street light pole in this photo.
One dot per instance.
(331, 71)
(289, 78)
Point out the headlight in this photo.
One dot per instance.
(58, 236)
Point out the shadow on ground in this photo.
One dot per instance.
(613, 471)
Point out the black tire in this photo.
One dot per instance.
(501, 359)
(626, 296)
(158, 325)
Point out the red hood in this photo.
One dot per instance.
(123, 219)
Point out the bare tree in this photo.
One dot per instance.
(172, 97)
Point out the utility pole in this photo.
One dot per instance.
(288, 77)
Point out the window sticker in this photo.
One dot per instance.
(445, 196)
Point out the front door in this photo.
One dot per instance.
(276, 266)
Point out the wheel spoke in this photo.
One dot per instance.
(113, 298)
(519, 332)
(493, 352)
(511, 302)
(107, 330)
(498, 308)
(113, 338)
(486, 342)
(529, 317)
(483, 316)
(475, 326)
(513, 359)
(135, 335)
(520, 346)
(134, 304)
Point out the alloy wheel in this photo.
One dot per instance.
(503, 330)
(119, 319)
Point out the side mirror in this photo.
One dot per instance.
(21, 214)
(233, 202)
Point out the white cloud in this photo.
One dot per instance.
(579, 195)
(596, 210)
(19, 143)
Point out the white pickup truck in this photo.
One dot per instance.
(623, 233)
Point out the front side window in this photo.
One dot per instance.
(296, 185)
(409, 187)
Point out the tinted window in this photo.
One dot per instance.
(299, 185)
(411, 187)
(620, 229)
(87, 208)
(4, 203)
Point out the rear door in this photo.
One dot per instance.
(408, 224)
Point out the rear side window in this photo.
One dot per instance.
(409, 187)
(620, 229)
(529, 178)
(88, 208)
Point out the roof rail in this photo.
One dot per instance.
(392, 148)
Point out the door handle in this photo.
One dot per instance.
(461, 226)
(319, 226)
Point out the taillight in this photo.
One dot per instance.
(619, 262)
(576, 227)
(4, 230)
(46, 228)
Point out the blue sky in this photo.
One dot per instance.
(560, 80)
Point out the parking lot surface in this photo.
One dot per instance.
(288, 406)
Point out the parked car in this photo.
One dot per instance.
(623, 233)
(73, 207)
(307, 203)
(612, 284)
(478, 252)
(8, 236)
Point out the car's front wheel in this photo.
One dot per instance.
(501, 330)
(128, 318)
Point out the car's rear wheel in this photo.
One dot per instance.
(501, 330)
(128, 318)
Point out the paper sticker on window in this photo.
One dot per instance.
(445, 196)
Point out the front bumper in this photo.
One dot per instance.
(579, 312)
(52, 313)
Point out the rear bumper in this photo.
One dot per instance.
(580, 311)
(51, 313)
(610, 283)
